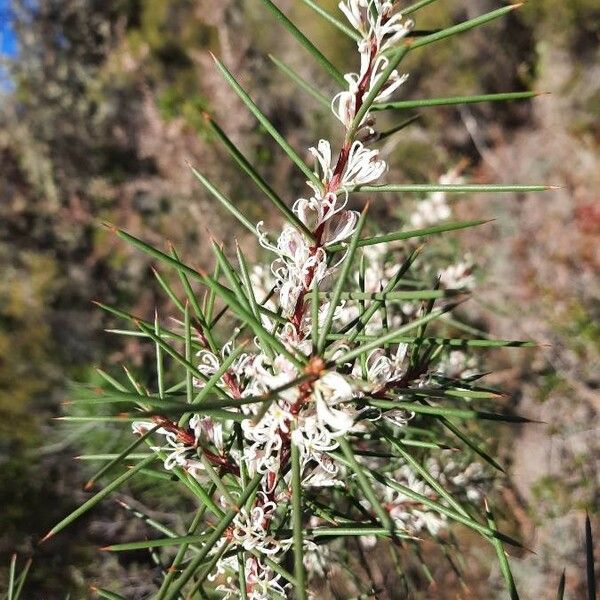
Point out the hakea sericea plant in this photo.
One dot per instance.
(319, 394)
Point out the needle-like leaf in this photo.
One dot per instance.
(297, 524)
(406, 235)
(310, 89)
(502, 559)
(305, 42)
(453, 100)
(464, 26)
(262, 119)
(97, 498)
(258, 180)
(337, 291)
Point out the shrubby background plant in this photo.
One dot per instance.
(433, 274)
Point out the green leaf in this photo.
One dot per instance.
(201, 320)
(107, 594)
(436, 506)
(446, 342)
(179, 358)
(502, 559)
(169, 291)
(396, 296)
(395, 59)
(463, 27)
(389, 132)
(226, 202)
(11, 577)
(337, 291)
(363, 319)
(452, 100)
(292, 154)
(258, 180)
(306, 43)
(297, 524)
(157, 543)
(266, 336)
(20, 580)
(415, 233)
(364, 484)
(119, 458)
(181, 554)
(560, 593)
(470, 443)
(416, 6)
(452, 188)
(424, 474)
(310, 89)
(388, 337)
(161, 256)
(97, 498)
(443, 411)
(349, 31)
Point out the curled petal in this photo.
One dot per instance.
(340, 227)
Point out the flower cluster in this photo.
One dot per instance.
(379, 29)
(283, 403)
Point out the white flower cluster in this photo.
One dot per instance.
(435, 208)
(380, 29)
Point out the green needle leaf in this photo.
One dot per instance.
(502, 559)
(452, 188)
(589, 556)
(302, 83)
(388, 337)
(249, 169)
(297, 524)
(560, 593)
(364, 484)
(416, 6)
(335, 295)
(107, 594)
(119, 458)
(151, 251)
(464, 26)
(226, 202)
(424, 473)
(97, 498)
(460, 413)
(306, 43)
(394, 61)
(11, 577)
(293, 155)
(349, 31)
(211, 540)
(395, 296)
(452, 100)
(415, 233)
(436, 506)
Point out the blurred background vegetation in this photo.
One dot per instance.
(101, 106)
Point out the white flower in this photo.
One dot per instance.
(314, 211)
(343, 104)
(383, 369)
(249, 527)
(354, 13)
(458, 276)
(363, 166)
(340, 227)
(317, 558)
(322, 154)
